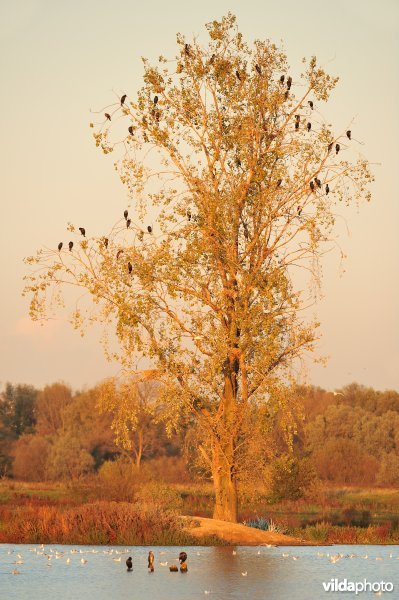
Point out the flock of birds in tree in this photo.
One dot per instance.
(314, 183)
(105, 240)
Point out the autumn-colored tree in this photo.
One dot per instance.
(134, 416)
(233, 156)
(31, 454)
(50, 406)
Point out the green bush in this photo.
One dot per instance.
(289, 478)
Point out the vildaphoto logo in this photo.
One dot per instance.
(343, 585)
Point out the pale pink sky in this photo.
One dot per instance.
(59, 59)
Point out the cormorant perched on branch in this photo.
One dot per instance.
(129, 267)
(309, 126)
(289, 82)
(337, 148)
(297, 125)
(107, 116)
(282, 78)
(70, 246)
(155, 99)
(125, 214)
(279, 182)
(310, 102)
(149, 229)
(327, 189)
(299, 210)
(131, 130)
(311, 186)
(123, 99)
(60, 246)
(82, 231)
(129, 564)
(318, 182)
(330, 147)
(105, 240)
(349, 134)
(118, 254)
(188, 213)
(187, 49)
(128, 221)
(258, 69)
(238, 75)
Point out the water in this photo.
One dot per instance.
(215, 573)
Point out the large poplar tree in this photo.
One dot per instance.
(234, 180)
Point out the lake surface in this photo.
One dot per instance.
(220, 573)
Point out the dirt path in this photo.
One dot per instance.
(237, 534)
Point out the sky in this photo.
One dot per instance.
(59, 60)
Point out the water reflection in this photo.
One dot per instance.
(220, 573)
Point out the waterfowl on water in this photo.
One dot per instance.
(129, 564)
(173, 568)
(182, 557)
(151, 561)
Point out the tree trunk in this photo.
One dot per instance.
(223, 457)
(225, 485)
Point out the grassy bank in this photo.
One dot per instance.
(84, 513)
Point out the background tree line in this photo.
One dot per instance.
(54, 434)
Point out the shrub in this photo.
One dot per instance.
(289, 478)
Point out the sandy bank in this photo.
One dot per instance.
(238, 534)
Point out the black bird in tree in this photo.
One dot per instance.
(327, 189)
(123, 98)
(129, 267)
(151, 561)
(297, 118)
(118, 254)
(299, 210)
(258, 69)
(318, 182)
(107, 116)
(188, 215)
(129, 564)
(60, 246)
(297, 125)
(125, 214)
(149, 229)
(337, 148)
(279, 182)
(238, 75)
(128, 221)
(349, 134)
(309, 126)
(238, 162)
(282, 78)
(187, 49)
(311, 186)
(82, 231)
(156, 99)
(310, 102)
(286, 95)
(105, 240)
(70, 246)
(212, 59)
(289, 82)
(330, 147)
(131, 130)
